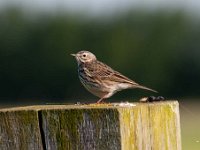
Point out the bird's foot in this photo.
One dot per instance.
(152, 99)
(100, 101)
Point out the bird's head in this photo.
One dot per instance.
(84, 57)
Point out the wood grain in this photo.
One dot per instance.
(115, 126)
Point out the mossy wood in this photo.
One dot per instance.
(119, 126)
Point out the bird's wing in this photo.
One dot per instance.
(104, 72)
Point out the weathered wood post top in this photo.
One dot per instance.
(115, 126)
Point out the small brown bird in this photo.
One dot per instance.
(100, 79)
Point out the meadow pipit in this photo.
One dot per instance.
(100, 79)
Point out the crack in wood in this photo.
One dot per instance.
(42, 133)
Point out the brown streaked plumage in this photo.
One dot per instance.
(100, 79)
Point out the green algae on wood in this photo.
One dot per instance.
(19, 130)
(151, 126)
(115, 126)
(165, 126)
(81, 129)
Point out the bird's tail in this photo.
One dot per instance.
(145, 88)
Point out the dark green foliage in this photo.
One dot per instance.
(157, 49)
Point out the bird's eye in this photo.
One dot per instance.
(84, 55)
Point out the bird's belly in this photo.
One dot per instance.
(95, 89)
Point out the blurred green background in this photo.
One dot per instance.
(155, 44)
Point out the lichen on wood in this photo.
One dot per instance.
(151, 126)
(81, 129)
(115, 126)
(19, 130)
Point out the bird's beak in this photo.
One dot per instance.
(73, 55)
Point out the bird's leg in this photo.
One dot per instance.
(99, 101)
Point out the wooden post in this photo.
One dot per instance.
(115, 126)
